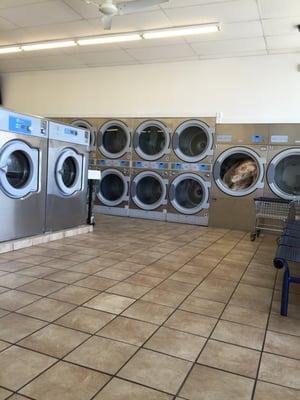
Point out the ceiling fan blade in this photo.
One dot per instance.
(137, 5)
(107, 22)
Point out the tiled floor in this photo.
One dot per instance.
(144, 310)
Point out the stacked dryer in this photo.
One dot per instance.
(114, 161)
(190, 170)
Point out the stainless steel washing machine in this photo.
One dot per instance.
(68, 153)
(151, 140)
(283, 173)
(189, 194)
(193, 140)
(239, 174)
(112, 193)
(23, 175)
(148, 192)
(114, 140)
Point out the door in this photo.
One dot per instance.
(284, 174)
(149, 190)
(152, 140)
(19, 169)
(193, 141)
(113, 188)
(239, 171)
(68, 172)
(81, 123)
(189, 193)
(114, 139)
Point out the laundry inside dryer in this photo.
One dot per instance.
(189, 193)
(193, 141)
(149, 190)
(152, 140)
(239, 171)
(69, 172)
(112, 187)
(287, 175)
(114, 139)
(18, 169)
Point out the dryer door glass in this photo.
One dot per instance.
(112, 187)
(114, 139)
(149, 190)
(69, 172)
(18, 169)
(189, 193)
(287, 175)
(193, 141)
(151, 140)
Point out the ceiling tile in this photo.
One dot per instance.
(162, 52)
(283, 42)
(17, 3)
(44, 13)
(281, 26)
(83, 9)
(187, 3)
(279, 8)
(229, 46)
(11, 37)
(6, 25)
(233, 11)
(114, 56)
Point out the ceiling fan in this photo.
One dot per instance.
(110, 8)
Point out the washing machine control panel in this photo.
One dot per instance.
(151, 165)
(114, 163)
(196, 167)
(69, 134)
(22, 124)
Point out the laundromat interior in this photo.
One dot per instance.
(149, 199)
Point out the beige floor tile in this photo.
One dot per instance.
(280, 370)
(47, 309)
(215, 289)
(13, 266)
(102, 354)
(148, 312)
(128, 290)
(144, 280)
(13, 300)
(4, 394)
(60, 263)
(113, 273)
(65, 381)
(241, 335)
(87, 267)
(36, 259)
(19, 366)
(156, 370)
(191, 323)
(177, 287)
(53, 340)
(203, 306)
(245, 316)
(281, 324)
(85, 319)
(110, 303)
(128, 330)
(212, 384)
(158, 271)
(12, 281)
(164, 298)
(78, 257)
(176, 343)
(42, 287)
(74, 294)
(18, 397)
(66, 276)
(285, 345)
(14, 327)
(255, 298)
(4, 345)
(37, 271)
(97, 283)
(268, 391)
(230, 358)
(118, 389)
(128, 266)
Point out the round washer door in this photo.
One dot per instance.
(19, 169)
(284, 174)
(189, 193)
(239, 171)
(152, 140)
(113, 188)
(193, 141)
(81, 123)
(114, 139)
(148, 190)
(68, 172)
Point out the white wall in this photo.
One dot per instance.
(249, 89)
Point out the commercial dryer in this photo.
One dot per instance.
(67, 176)
(23, 175)
(283, 173)
(114, 140)
(239, 174)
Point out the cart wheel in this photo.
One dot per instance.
(252, 237)
(258, 233)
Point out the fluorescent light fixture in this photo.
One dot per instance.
(181, 31)
(12, 49)
(109, 39)
(48, 45)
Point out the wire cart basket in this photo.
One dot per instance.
(271, 215)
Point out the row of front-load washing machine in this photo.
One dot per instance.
(43, 175)
(191, 170)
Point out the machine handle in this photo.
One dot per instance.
(60, 171)
(175, 140)
(4, 169)
(172, 192)
(136, 140)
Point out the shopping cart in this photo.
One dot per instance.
(271, 215)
